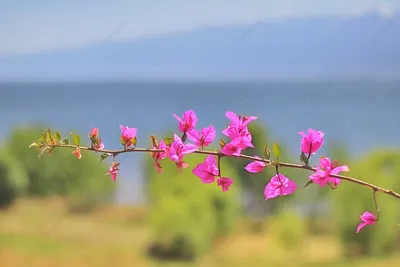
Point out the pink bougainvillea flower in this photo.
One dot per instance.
(239, 121)
(98, 145)
(77, 153)
(113, 171)
(366, 218)
(178, 149)
(233, 148)
(225, 183)
(158, 156)
(187, 122)
(94, 133)
(325, 169)
(256, 166)
(203, 138)
(207, 170)
(96, 141)
(237, 129)
(279, 186)
(127, 135)
(312, 142)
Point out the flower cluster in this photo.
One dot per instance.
(176, 148)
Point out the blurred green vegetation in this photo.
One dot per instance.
(185, 219)
(61, 174)
(187, 215)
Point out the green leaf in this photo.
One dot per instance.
(134, 141)
(267, 152)
(76, 139)
(33, 145)
(104, 156)
(308, 183)
(222, 143)
(168, 140)
(121, 140)
(276, 149)
(42, 150)
(57, 136)
(303, 158)
(48, 137)
(65, 141)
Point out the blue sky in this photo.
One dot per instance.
(30, 27)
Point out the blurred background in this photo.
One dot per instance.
(73, 65)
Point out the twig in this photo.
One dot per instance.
(269, 163)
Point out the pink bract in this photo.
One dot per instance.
(314, 140)
(279, 186)
(187, 122)
(324, 170)
(225, 183)
(367, 218)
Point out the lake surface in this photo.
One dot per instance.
(365, 115)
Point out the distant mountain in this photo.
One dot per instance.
(367, 46)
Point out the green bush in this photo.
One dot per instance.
(13, 179)
(82, 181)
(186, 215)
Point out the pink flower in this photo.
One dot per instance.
(98, 145)
(188, 121)
(178, 149)
(203, 138)
(94, 133)
(158, 156)
(239, 121)
(207, 170)
(96, 141)
(325, 169)
(256, 166)
(113, 171)
(237, 129)
(128, 135)
(225, 183)
(312, 142)
(233, 148)
(279, 186)
(77, 153)
(366, 218)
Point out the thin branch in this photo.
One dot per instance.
(269, 162)
(376, 204)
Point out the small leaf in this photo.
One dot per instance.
(134, 141)
(33, 145)
(48, 137)
(57, 136)
(303, 158)
(267, 152)
(168, 140)
(154, 141)
(122, 140)
(276, 150)
(42, 138)
(308, 183)
(222, 143)
(104, 156)
(76, 139)
(184, 137)
(42, 150)
(65, 141)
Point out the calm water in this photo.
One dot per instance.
(363, 114)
